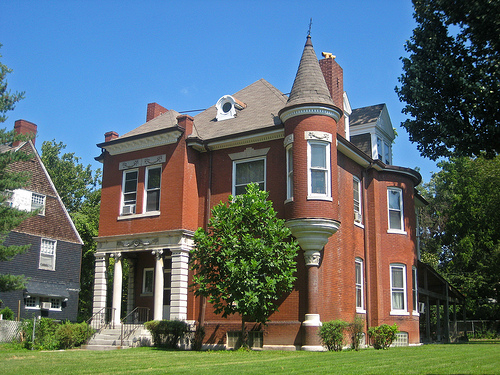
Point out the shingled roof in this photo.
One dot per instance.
(309, 86)
(365, 115)
(166, 120)
(263, 102)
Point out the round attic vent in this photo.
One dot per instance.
(225, 108)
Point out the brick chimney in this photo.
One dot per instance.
(26, 128)
(109, 136)
(334, 77)
(154, 110)
(186, 122)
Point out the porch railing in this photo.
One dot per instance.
(134, 319)
(99, 320)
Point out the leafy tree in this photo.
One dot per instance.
(78, 187)
(451, 78)
(10, 180)
(245, 261)
(462, 230)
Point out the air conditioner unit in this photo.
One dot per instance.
(46, 305)
(358, 218)
(421, 308)
(128, 209)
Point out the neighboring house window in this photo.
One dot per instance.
(129, 190)
(289, 172)
(319, 169)
(55, 303)
(31, 303)
(360, 307)
(47, 255)
(153, 183)
(414, 289)
(395, 199)
(28, 201)
(356, 184)
(398, 288)
(248, 171)
(147, 280)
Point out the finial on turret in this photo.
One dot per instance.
(310, 25)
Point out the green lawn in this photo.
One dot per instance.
(483, 358)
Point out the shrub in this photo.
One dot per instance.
(383, 335)
(167, 333)
(70, 335)
(7, 313)
(356, 330)
(199, 335)
(332, 334)
(45, 338)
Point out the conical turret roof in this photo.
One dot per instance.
(309, 86)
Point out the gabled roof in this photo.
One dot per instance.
(166, 120)
(263, 102)
(365, 115)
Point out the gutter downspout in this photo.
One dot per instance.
(365, 244)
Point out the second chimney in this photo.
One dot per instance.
(26, 128)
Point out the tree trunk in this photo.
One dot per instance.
(244, 341)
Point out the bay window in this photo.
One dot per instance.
(319, 179)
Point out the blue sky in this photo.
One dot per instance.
(89, 67)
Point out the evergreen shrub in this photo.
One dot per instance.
(383, 335)
(167, 333)
(332, 334)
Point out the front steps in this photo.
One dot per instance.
(109, 339)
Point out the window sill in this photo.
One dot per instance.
(360, 311)
(138, 216)
(415, 313)
(319, 198)
(358, 224)
(399, 312)
(396, 231)
(288, 200)
(147, 294)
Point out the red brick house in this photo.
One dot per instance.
(329, 173)
(52, 263)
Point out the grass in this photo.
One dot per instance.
(472, 358)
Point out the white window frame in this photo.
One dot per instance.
(236, 163)
(131, 203)
(38, 203)
(289, 172)
(414, 288)
(45, 252)
(147, 189)
(36, 303)
(399, 191)
(32, 303)
(327, 170)
(359, 271)
(145, 271)
(357, 200)
(397, 290)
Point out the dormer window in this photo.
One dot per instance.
(227, 106)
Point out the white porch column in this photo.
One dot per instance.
(117, 287)
(158, 288)
(131, 285)
(179, 288)
(100, 283)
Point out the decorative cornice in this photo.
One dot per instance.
(246, 140)
(143, 143)
(310, 109)
(144, 162)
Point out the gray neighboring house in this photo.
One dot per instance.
(52, 263)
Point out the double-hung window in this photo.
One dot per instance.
(398, 289)
(248, 171)
(319, 175)
(129, 191)
(289, 172)
(153, 184)
(360, 307)
(356, 188)
(148, 280)
(47, 255)
(395, 208)
(414, 289)
(38, 203)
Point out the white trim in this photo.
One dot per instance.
(122, 200)
(143, 143)
(146, 187)
(327, 195)
(398, 190)
(289, 172)
(398, 290)
(249, 160)
(247, 139)
(144, 292)
(360, 285)
(358, 214)
(53, 255)
(309, 109)
(144, 162)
